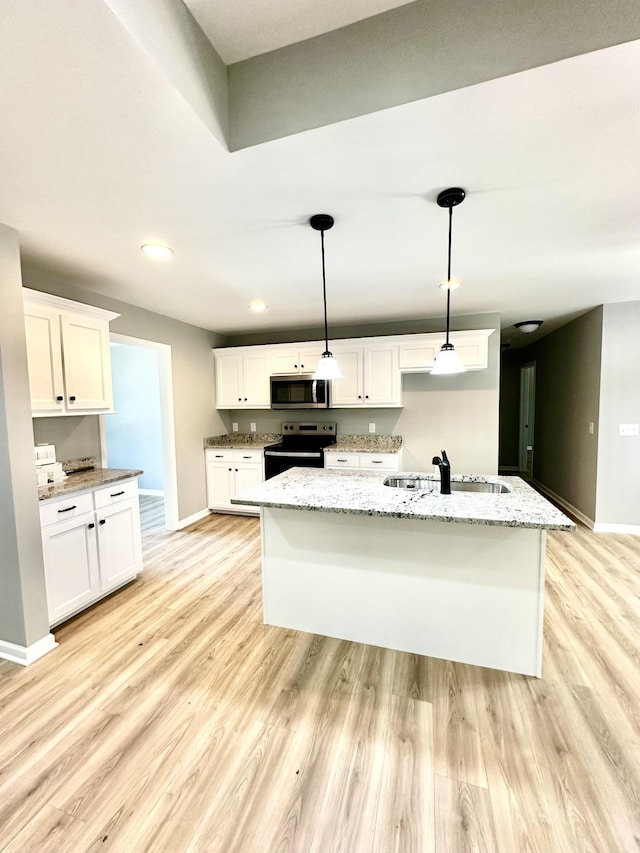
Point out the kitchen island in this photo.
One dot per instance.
(459, 577)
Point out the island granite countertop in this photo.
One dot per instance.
(83, 480)
(364, 493)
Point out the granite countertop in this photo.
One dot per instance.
(364, 493)
(367, 444)
(242, 440)
(82, 480)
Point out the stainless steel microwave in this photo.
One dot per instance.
(299, 391)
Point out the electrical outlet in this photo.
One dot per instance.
(591, 425)
(234, 426)
(252, 426)
(372, 427)
(628, 429)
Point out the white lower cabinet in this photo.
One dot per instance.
(364, 461)
(91, 544)
(230, 472)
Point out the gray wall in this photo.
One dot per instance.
(618, 489)
(458, 413)
(567, 399)
(410, 53)
(509, 408)
(23, 605)
(195, 414)
(74, 437)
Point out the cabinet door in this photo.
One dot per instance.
(257, 391)
(219, 484)
(381, 376)
(309, 359)
(44, 356)
(472, 349)
(419, 355)
(347, 392)
(247, 475)
(87, 363)
(119, 545)
(229, 381)
(70, 566)
(284, 363)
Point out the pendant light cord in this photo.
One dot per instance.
(449, 271)
(324, 297)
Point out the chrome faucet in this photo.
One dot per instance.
(445, 472)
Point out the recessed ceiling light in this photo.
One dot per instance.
(453, 284)
(257, 305)
(157, 251)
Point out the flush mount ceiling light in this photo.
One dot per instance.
(327, 366)
(258, 305)
(448, 361)
(157, 251)
(528, 326)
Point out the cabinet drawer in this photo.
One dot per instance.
(123, 490)
(248, 456)
(381, 461)
(64, 509)
(214, 454)
(341, 460)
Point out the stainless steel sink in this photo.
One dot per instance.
(430, 484)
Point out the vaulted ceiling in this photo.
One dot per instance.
(220, 128)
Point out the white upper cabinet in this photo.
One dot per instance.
(417, 353)
(289, 361)
(242, 379)
(371, 375)
(68, 356)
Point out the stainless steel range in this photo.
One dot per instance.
(302, 445)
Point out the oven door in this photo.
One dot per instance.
(278, 461)
(299, 392)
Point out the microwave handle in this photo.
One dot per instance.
(314, 391)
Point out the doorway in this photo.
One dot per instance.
(141, 432)
(527, 418)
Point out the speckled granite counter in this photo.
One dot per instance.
(242, 440)
(367, 444)
(364, 493)
(83, 480)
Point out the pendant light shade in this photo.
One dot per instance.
(328, 367)
(448, 361)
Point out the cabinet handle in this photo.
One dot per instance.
(366, 396)
(302, 365)
(236, 470)
(359, 396)
(342, 460)
(72, 399)
(103, 521)
(68, 509)
(239, 399)
(219, 456)
(117, 494)
(246, 457)
(376, 461)
(59, 398)
(91, 526)
(245, 399)
(295, 365)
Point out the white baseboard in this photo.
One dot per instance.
(24, 655)
(602, 527)
(155, 493)
(572, 510)
(197, 516)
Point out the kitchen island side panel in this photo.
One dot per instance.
(467, 593)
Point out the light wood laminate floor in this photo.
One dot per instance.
(171, 719)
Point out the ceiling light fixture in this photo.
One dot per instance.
(258, 305)
(327, 366)
(448, 361)
(157, 251)
(528, 326)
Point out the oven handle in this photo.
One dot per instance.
(293, 454)
(314, 390)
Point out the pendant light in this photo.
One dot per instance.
(327, 365)
(448, 361)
